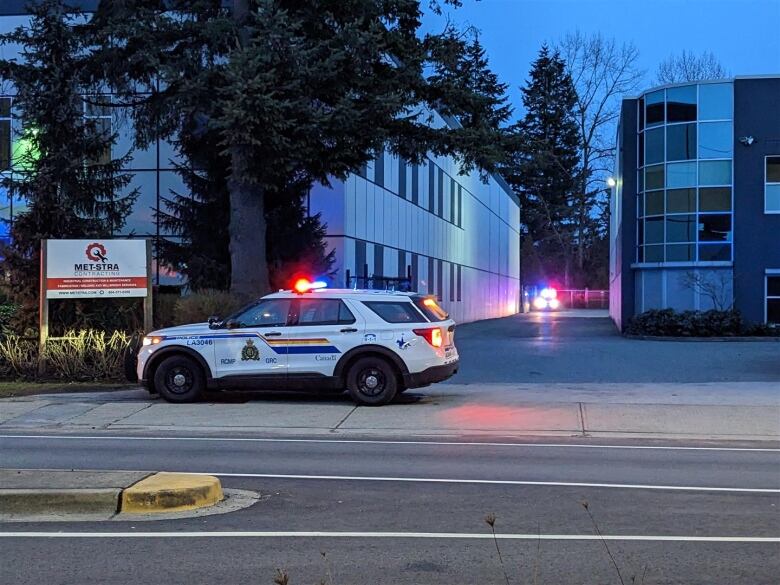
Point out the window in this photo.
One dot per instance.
(654, 230)
(431, 185)
(680, 253)
(415, 184)
(716, 101)
(98, 120)
(680, 200)
(772, 185)
(681, 104)
(681, 228)
(715, 199)
(452, 282)
(654, 108)
(268, 313)
(453, 202)
(440, 201)
(654, 204)
(715, 140)
(715, 227)
(379, 168)
(773, 299)
(314, 311)
(395, 311)
(714, 252)
(460, 270)
(654, 177)
(681, 142)
(401, 177)
(681, 174)
(716, 172)
(654, 254)
(654, 146)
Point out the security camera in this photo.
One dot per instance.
(747, 140)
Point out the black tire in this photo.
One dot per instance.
(173, 388)
(372, 381)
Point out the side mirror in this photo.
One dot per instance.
(232, 324)
(214, 321)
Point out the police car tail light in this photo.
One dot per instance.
(433, 336)
(303, 285)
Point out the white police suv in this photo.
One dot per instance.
(375, 344)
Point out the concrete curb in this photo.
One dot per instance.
(171, 492)
(61, 492)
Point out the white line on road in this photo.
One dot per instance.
(505, 482)
(388, 442)
(429, 535)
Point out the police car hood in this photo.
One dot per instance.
(192, 329)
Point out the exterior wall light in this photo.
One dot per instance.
(611, 182)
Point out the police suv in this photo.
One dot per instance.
(375, 344)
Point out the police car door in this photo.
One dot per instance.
(320, 332)
(249, 345)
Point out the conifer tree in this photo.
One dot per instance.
(545, 169)
(296, 91)
(64, 171)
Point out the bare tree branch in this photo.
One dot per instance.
(687, 66)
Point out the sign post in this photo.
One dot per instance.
(93, 269)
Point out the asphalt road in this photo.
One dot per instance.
(578, 347)
(414, 512)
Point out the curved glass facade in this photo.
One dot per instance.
(685, 184)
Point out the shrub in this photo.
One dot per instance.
(7, 312)
(670, 323)
(86, 355)
(165, 309)
(198, 307)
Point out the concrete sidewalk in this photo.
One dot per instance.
(738, 411)
(102, 494)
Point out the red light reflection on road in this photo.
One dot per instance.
(490, 416)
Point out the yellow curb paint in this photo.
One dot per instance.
(171, 492)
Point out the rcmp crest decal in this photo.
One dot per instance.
(250, 351)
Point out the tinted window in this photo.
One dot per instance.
(314, 311)
(715, 172)
(655, 108)
(655, 203)
(395, 311)
(773, 286)
(654, 230)
(715, 228)
(681, 174)
(680, 253)
(681, 142)
(773, 310)
(680, 200)
(714, 252)
(715, 101)
(654, 177)
(268, 313)
(715, 199)
(681, 104)
(772, 202)
(431, 309)
(654, 146)
(654, 254)
(715, 140)
(773, 169)
(680, 228)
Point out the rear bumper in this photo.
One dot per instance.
(431, 375)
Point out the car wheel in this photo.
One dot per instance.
(179, 379)
(372, 381)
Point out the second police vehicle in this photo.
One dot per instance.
(375, 344)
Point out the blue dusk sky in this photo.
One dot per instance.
(743, 34)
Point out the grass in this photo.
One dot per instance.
(21, 388)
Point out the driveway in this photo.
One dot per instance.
(585, 347)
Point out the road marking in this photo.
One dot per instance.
(388, 442)
(429, 535)
(504, 482)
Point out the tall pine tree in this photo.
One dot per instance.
(65, 172)
(545, 169)
(296, 90)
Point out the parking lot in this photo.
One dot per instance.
(585, 347)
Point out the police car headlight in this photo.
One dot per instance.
(151, 340)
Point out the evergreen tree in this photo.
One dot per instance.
(296, 90)
(545, 169)
(65, 172)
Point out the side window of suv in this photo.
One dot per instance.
(313, 311)
(396, 311)
(267, 313)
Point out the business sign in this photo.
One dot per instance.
(77, 269)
